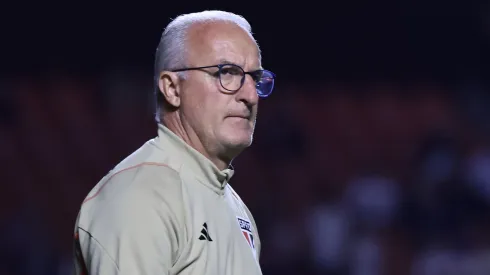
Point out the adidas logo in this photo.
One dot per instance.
(204, 233)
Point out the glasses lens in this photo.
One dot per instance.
(231, 77)
(265, 85)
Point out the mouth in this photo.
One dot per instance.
(246, 117)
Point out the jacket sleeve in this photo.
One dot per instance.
(135, 230)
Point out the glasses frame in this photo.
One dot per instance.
(220, 67)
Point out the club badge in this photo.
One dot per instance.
(246, 227)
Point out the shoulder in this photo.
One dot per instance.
(131, 182)
(136, 212)
(132, 197)
(136, 208)
(140, 174)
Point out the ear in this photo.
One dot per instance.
(168, 83)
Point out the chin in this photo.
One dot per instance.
(236, 137)
(238, 141)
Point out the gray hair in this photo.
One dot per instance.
(171, 51)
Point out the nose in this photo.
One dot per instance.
(248, 92)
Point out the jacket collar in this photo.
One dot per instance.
(191, 160)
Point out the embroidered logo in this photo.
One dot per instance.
(246, 228)
(204, 233)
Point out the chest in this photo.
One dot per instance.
(221, 237)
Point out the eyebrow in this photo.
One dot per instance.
(226, 61)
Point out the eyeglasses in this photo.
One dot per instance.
(232, 77)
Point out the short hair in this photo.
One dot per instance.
(171, 51)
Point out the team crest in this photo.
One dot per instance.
(246, 228)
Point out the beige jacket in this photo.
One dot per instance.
(164, 210)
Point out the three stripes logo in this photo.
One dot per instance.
(204, 233)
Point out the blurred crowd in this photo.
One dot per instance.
(370, 178)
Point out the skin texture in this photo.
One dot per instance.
(217, 123)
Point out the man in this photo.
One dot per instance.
(168, 207)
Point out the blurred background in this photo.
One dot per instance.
(371, 157)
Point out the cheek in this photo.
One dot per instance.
(205, 109)
(207, 104)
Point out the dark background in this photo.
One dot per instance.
(371, 156)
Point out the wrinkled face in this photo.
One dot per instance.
(224, 121)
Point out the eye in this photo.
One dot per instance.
(231, 70)
(257, 76)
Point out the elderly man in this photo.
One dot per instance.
(168, 208)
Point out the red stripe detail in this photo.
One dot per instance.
(246, 237)
(125, 169)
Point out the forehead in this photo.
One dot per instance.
(210, 43)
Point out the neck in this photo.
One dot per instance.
(189, 136)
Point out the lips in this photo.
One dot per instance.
(247, 117)
(243, 117)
